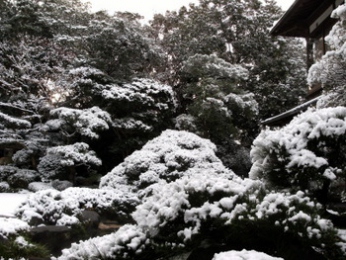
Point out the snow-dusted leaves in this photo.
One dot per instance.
(329, 71)
(59, 159)
(63, 208)
(166, 158)
(211, 66)
(11, 226)
(142, 93)
(77, 153)
(13, 122)
(86, 122)
(308, 149)
(180, 212)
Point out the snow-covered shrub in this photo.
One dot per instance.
(18, 247)
(22, 178)
(50, 167)
(186, 122)
(217, 107)
(86, 122)
(11, 226)
(200, 65)
(330, 70)
(144, 96)
(6, 171)
(4, 186)
(63, 208)
(244, 255)
(13, 178)
(34, 147)
(140, 110)
(170, 156)
(245, 114)
(235, 156)
(306, 153)
(23, 157)
(61, 161)
(123, 244)
(165, 158)
(13, 122)
(180, 215)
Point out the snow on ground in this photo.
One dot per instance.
(9, 202)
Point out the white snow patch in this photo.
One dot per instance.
(244, 255)
(10, 202)
(9, 226)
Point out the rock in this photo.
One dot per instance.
(90, 221)
(55, 238)
(37, 186)
(90, 218)
(61, 185)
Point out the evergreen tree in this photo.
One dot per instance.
(330, 70)
(237, 32)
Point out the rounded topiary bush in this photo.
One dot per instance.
(61, 162)
(170, 156)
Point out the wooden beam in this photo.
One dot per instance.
(309, 53)
(324, 16)
(321, 19)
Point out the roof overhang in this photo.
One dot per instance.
(287, 116)
(307, 18)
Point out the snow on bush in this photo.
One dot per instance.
(77, 153)
(200, 65)
(50, 167)
(65, 157)
(63, 208)
(245, 104)
(4, 186)
(186, 122)
(144, 92)
(12, 122)
(87, 122)
(166, 158)
(308, 149)
(143, 105)
(177, 214)
(244, 255)
(123, 244)
(6, 171)
(11, 226)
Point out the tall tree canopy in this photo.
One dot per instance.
(238, 32)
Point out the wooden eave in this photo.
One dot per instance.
(286, 117)
(306, 18)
